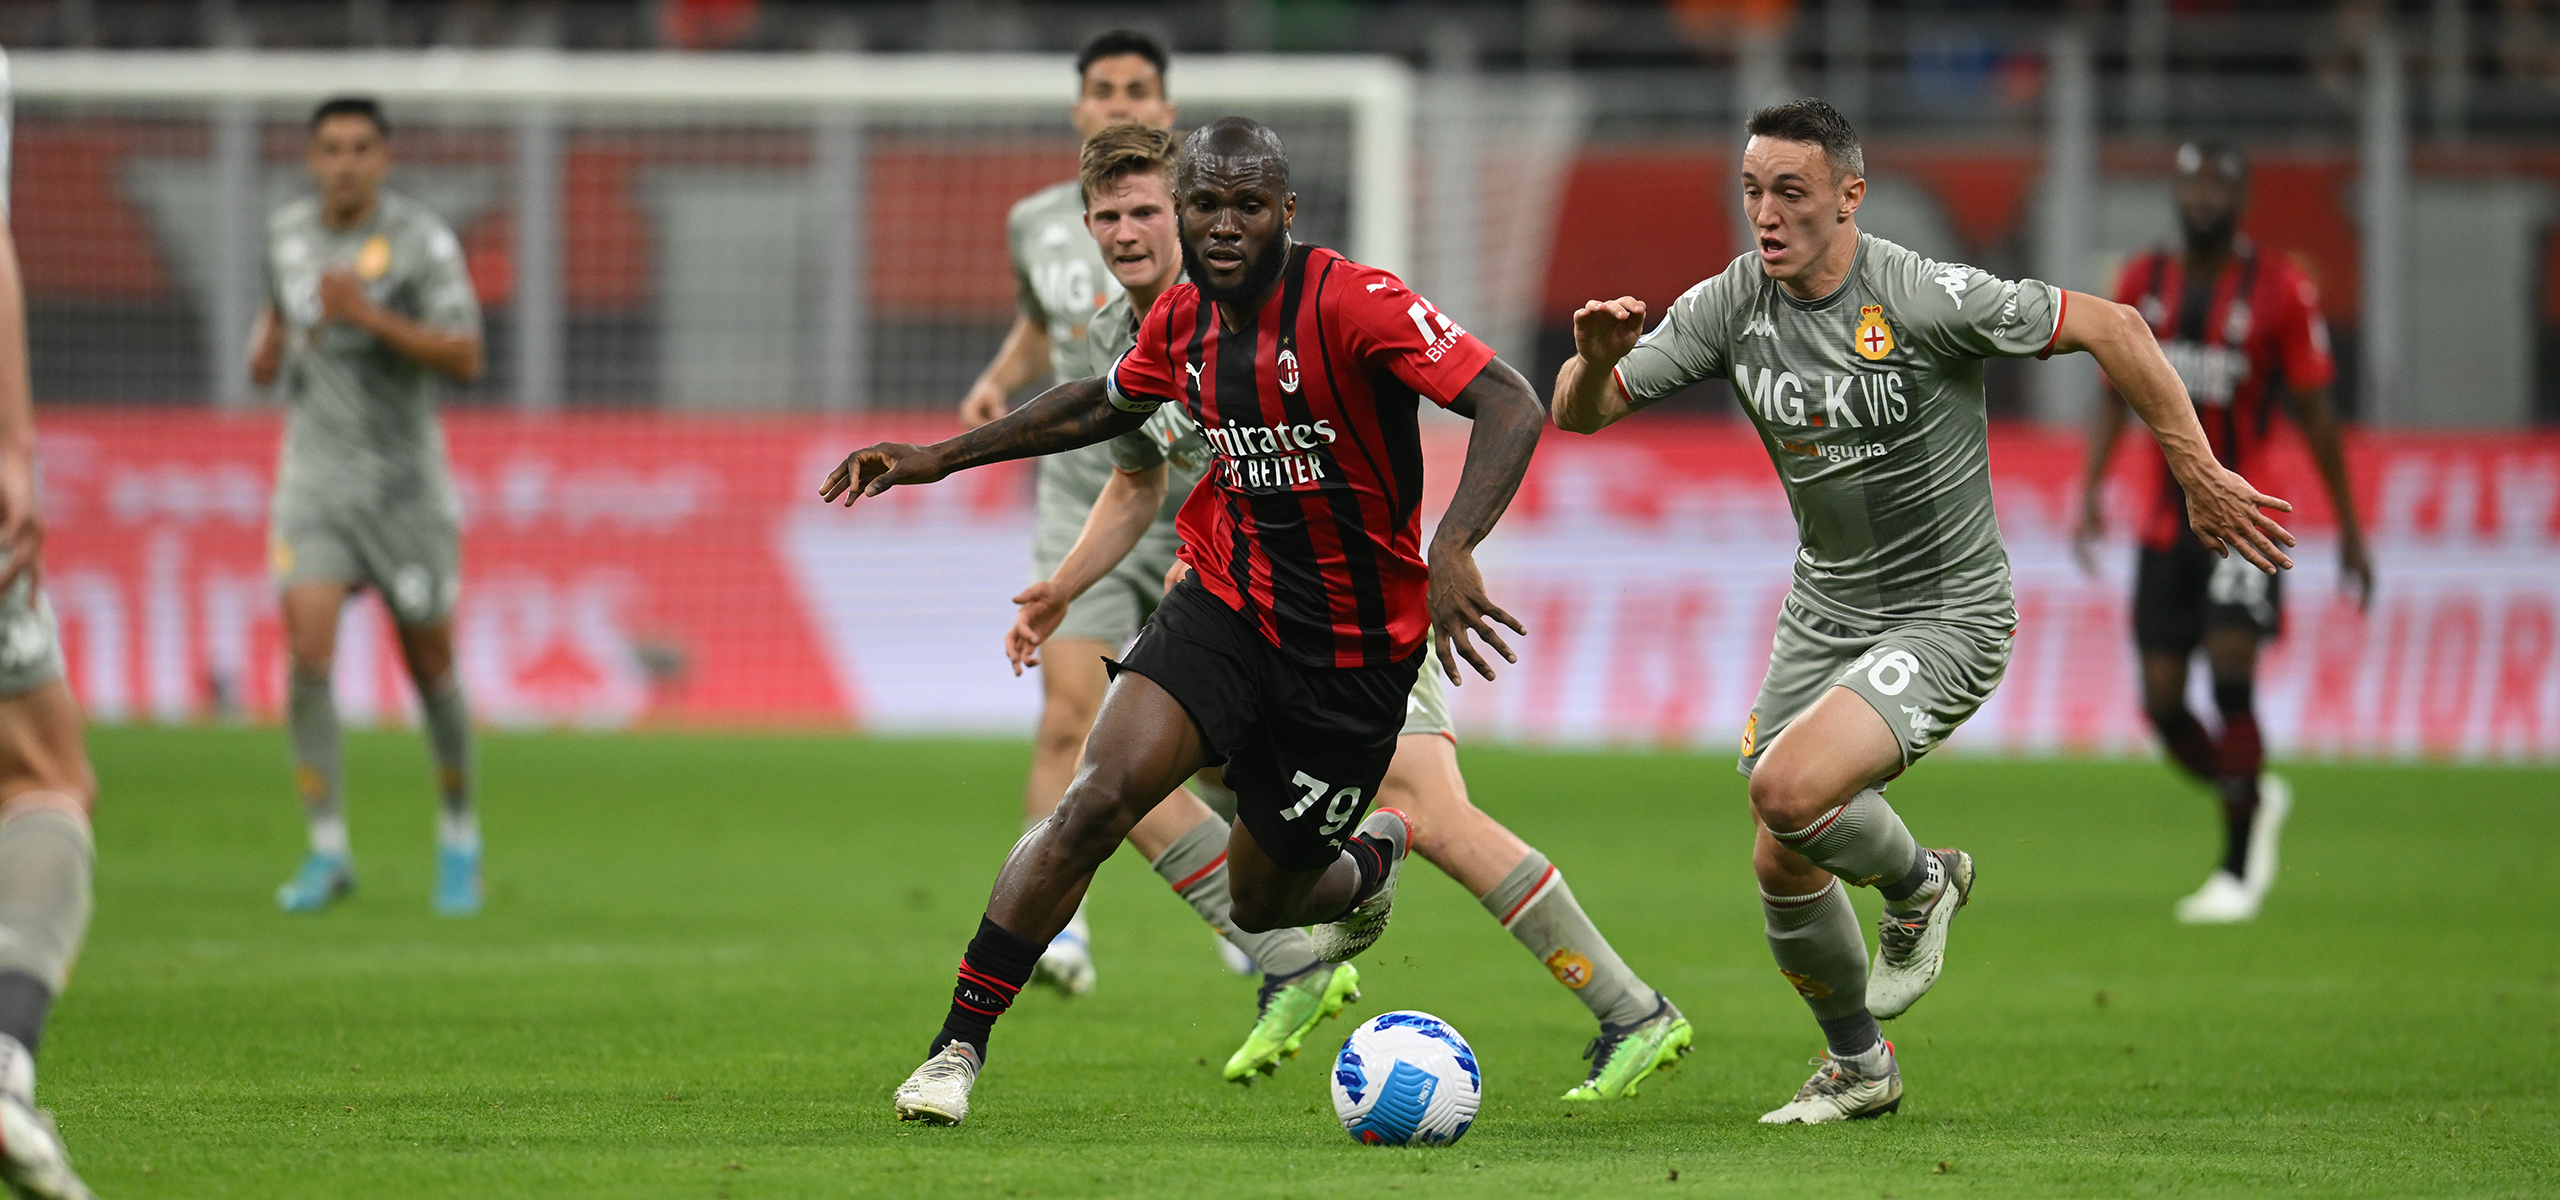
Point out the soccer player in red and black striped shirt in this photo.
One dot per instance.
(1287, 654)
(2242, 327)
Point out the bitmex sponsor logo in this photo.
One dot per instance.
(1269, 456)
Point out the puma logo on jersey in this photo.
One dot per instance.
(1194, 368)
(1377, 286)
(1760, 326)
(1956, 278)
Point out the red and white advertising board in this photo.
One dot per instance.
(640, 569)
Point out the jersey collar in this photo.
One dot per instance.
(1857, 263)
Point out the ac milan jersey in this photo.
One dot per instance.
(2235, 339)
(1310, 521)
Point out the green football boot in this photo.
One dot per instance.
(1289, 1012)
(1624, 1056)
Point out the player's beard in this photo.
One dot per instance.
(2212, 238)
(1259, 271)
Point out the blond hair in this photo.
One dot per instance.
(1126, 149)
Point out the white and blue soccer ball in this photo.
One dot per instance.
(1406, 1079)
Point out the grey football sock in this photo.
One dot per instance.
(448, 721)
(1863, 842)
(1538, 907)
(1196, 865)
(1822, 953)
(45, 857)
(1215, 793)
(311, 726)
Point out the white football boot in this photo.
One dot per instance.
(938, 1092)
(1909, 954)
(2223, 900)
(1343, 940)
(1067, 964)
(1843, 1090)
(2275, 803)
(32, 1161)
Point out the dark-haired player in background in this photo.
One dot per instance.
(2241, 327)
(1289, 652)
(1860, 364)
(1059, 283)
(367, 303)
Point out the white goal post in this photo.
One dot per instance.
(524, 106)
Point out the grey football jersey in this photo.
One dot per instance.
(1059, 282)
(1869, 401)
(360, 424)
(1168, 437)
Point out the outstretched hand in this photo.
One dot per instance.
(1459, 607)
(1605, 331)
(1042, 608)
(875, 469)
(2229, 515)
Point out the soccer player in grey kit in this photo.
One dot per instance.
(367, 302)
(1860, 363)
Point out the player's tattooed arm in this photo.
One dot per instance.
(1072, 414)
(2228, 513)
(1588, 398)
(1508, 420)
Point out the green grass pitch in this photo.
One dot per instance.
(707, 959)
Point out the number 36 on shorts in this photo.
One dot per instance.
(1889, 672)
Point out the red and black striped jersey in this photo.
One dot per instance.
(2235, 339)
(1309, 523)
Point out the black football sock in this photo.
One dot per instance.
(1369, 855)
(2239, 755)
(2189, 745)
(24, 1002)
(992, 973)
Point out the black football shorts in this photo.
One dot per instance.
(2181, 593)
(1305, 747)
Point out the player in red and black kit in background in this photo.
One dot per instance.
(2242, 327)
(1287, 653)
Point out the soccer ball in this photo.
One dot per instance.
(1406, 1079)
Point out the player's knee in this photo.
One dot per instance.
(1784, 798)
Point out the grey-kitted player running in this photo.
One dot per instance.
(367, 302)
(1061, 283)
(1860, 363)
(46, 786)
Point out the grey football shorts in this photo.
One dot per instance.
(1923, 677)
(1114, 608)
(409, 554)
(1426, 709)
(30, 642)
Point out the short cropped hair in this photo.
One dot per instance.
(1126, 149)
(1813, 122)
(2223, 157)
(1116, 42)
(352, 106)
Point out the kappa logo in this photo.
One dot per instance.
(1924, 725)
(1760, 326)
(1956, 278)
(1289, 371)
